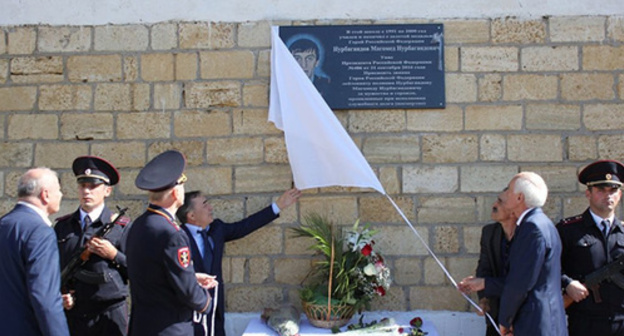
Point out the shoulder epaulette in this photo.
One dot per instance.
(570, 220)
(62, 218)
(123, 221)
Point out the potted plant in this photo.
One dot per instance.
(350, 273)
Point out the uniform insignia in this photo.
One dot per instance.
(571, 220)
(608, 176)
(87, 171)
(123, 221)
(184, 257)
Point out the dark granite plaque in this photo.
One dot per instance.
(372, 66)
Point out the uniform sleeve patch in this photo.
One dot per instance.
(184, 257)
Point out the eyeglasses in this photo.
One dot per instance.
(181, 180)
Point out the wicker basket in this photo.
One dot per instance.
(339, 316)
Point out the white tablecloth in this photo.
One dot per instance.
(257, 327)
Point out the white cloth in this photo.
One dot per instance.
(320, 152)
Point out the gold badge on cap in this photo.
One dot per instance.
(608, 176)
(88, 171)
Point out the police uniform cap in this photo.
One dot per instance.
(162, 172)
(603, 173)
(93, 169)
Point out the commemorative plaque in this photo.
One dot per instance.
(372, 66)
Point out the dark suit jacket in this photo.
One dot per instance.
(531, 299)
(221, 233)
(491, 265)
(30, 276)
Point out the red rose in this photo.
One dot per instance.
(416, 322)
(366, 250)
(380, 290)
(400, 330)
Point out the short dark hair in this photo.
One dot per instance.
(304, 44)
(183, 211)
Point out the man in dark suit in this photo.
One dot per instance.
(30, 275)
(589, 244)
(96, 299)
(208, 237)
(164, 287)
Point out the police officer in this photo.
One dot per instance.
(165, 288)
(95, 296)
(590, 241)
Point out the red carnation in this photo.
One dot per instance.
(380, 290)
(367, 250)
(416, 322)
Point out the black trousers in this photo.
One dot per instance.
(579, 325)
(111, 320)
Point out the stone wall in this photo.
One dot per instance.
(544, 95)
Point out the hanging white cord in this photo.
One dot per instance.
(202, 318)
(446, 272)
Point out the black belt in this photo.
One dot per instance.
(93, 278)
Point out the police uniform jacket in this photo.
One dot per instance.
(99, 279)
(164, 289)
(222, 232)
(30, 278)
(585, 250)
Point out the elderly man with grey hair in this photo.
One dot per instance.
(531, 302)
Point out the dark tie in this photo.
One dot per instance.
(207, 251)
(605, 227)
(86, 223)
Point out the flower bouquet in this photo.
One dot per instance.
(347, 277)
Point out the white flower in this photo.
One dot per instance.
(370, 270)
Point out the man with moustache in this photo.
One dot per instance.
(591, 240)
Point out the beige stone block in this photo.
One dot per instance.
(186, 66)
(21, 40)
(341, 210)
(389, 178)
(193, 150)
(144, 125)
(400, 240)
(472, 241)
(492, 147)
(610, 147)
(275, 150)
(252, 122)
(226, 64)
(550, 58)
(451, 59)
(587, 86)
(490, 87)
(64, 97)
(377, 121)
(262, 179)
(294, 245)
(234, 151)
(461, 88)
(226, 209)
(615, 28)
(447, 210)
(164, 36)
(212, 94)
(254, 34)
(64, 39)
(212, 181)
(582, 148)
(3, 44)
(530, 87)
(395, 299)
(450, 119)
(167, 96)
(256, 94)
(577, 28)
(16, 154)
(267, 240)
(59, 155)
(407, 271)
(512, 30)
(207, 35)
(535, 148)
(392, 149)
(430, 179)
(466, 31)
(44, 69)
(121, 38)
(235, 270)
(126, 187)
(376, 209)
(94, 68)
(574, 205)
(113, 97)
(130, 68)
(18, 98)
(433, 272)
(263, 69)
(489, 59)
(603, 57)
(460, 267)
(557, 178)
(484, 206)
(252, 298)
(259, 270)
(33, 126)
(485, 178)
(140, 96)
(621, 86)
(553, 117)
(436, 298)
(494, 117)
(450, 148)
(4, 70)
(87, 126)
(157, 67)
(291, 271)
(201, 124)
(125, 154)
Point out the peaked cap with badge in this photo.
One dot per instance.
(93, 169)
(603, 173)
(163, 172)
